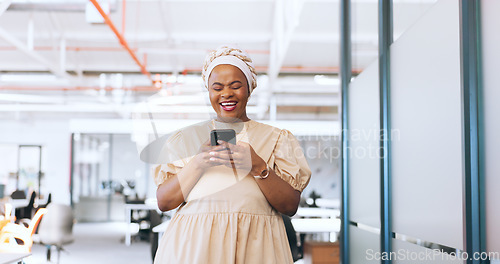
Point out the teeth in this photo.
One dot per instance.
(226, 104)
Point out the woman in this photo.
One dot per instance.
(230, 196)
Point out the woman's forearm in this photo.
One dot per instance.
(175, 189)
(171, 193)
(281, 195)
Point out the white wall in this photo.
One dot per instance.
(55, 138)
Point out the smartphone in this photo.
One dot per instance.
(228, 135)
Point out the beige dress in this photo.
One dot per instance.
(226, 218)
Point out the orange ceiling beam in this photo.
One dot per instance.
(122, 40)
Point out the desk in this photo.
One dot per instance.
(7, 258)
(317, 225)
(128, 219)
(317, 212)
(160, 229)
(18, 203)
(328, 203)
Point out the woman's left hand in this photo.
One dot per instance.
(280, 195)
(240, 156)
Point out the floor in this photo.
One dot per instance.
(96, 243)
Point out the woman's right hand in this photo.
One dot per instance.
(204, 160)
(173, 191)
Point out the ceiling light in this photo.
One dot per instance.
(93, 16)
(324, 80)
(28, 78)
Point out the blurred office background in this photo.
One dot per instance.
(82, 93)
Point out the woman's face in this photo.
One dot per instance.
(228, 91)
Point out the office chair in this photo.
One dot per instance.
(18, 194)
(26, 212)
(17, 238)
(49, 200)
(56, 229)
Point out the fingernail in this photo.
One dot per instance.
(220, 141)
(212, 153)
(212, 159)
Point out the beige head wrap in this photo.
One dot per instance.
(232, 56)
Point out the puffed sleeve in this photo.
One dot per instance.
(173, 154)
(289, 162)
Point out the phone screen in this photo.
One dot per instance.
(228, 135)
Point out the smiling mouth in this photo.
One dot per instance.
(228, 106)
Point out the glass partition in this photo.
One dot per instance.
(364, 246)
(364, 161)
(364, 34)
(406, 252)
(107, 173)
(427, 124)
(407, 13)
